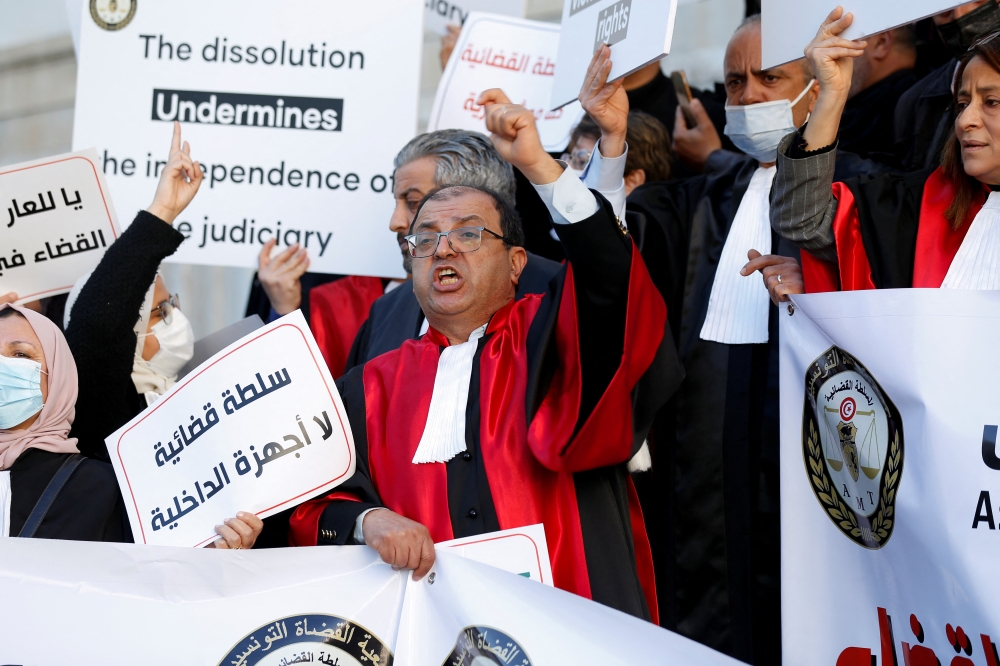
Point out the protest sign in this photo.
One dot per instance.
(115, 604)
(516, 55)
(522, 551)
(787, 26)
(58, 222)
(638, 31)
(442, 13)
(890, 481)
(295, 114)
(185, 455)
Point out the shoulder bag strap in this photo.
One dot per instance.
(52, 490)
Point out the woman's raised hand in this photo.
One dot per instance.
(179, 181)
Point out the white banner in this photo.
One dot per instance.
(58, 222)
(183, 451)
(442, 13)
(787, 26)
(294, 112)
(516, 55)
(638, 31)
(89, 603)
(890, 481)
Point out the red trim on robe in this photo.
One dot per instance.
(303, 524)
(937, 242)
(398, 388)
(643, 553)
(336, 312)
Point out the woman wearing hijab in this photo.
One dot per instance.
(126, 331)
(47, 489)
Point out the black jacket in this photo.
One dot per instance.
(925, 115)
(100, 332)
(89, 507)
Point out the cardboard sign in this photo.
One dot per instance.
(516, 55)
(787, 26)
(890, 477)
(220, 440)
(442, 13)
(522, 551)
(638, 31)
(57, 221)
(295, 114)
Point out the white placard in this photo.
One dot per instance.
(442, 13)
(522, 551)
(890, 482)
(295, 113)
(787, 26)
(220, 440)
(57, 223)
(638, 31)
(516, 55)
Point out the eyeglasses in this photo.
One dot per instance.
(578, 159)
(461, 240)
(166, 309)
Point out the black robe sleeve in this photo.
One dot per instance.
(100, 332)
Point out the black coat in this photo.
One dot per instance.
(89, 507)
(101, 335)
(925, 116)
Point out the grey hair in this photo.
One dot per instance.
(463, 158)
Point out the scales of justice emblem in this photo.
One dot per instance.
(852, 440)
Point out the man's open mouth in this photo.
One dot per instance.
(447, 276)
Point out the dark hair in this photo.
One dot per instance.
(648, 147)
(586, 127)
(10, 312)
(510, 222)
(967, 188)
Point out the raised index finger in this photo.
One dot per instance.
(175, 141)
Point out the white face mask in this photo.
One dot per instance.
(176, 345)
(757, 129)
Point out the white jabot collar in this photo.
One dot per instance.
(444, 432)
(739, 306)
(977, 263)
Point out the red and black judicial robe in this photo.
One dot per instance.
(563, 391)
(338, 311)
(890, 233)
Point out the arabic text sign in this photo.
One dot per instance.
(516, 55)
(638, 31)
(57, 222)
(890, 482)
(522, 551)
(442, 13)
(294, 114)
(258, 427)
(787, 26)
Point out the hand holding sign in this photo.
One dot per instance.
(179, 181)
(515, 136)
(607, 103)
(832, 60)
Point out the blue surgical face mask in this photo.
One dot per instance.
(20, 390)
(757, 129)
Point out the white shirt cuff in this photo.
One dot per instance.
(607, 176)
(568, 199)
(359, 533)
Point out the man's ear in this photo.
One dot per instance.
(880, 46)
(634, 179)
(518, 260)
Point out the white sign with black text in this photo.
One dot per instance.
(787, 26)
(638, 31)
(516, 55)
(294, 112)
(56, 223)
(258, 427)
(442, 13)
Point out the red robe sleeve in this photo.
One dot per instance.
(337, 311)
(852, 270)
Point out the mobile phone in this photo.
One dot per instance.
(683, 91)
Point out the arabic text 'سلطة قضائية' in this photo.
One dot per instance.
(205, 490)
(278, 631)
(513, 63)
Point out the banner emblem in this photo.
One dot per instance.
(112, 14)
(852, 441)
(306, 638)
(486, 646)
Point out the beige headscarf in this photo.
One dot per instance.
(49, 431)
